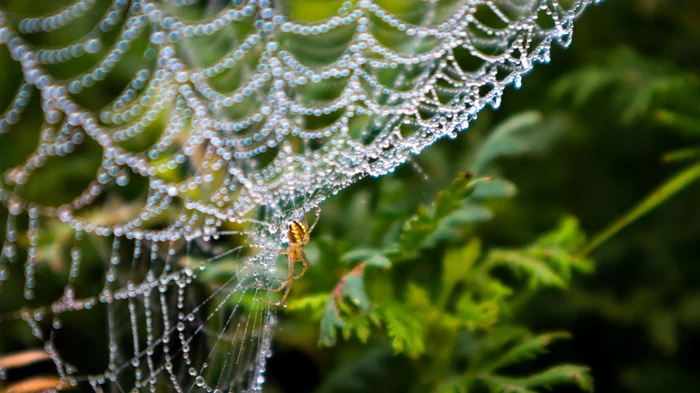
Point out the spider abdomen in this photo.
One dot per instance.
(297, 233)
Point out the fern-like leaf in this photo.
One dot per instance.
(528, 349)
(537, 270)
(558, 375)
(404, 328)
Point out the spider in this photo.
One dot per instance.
(298, 235)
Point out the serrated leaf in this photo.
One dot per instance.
(499, 384)
(457, 263)
(567, 235)
(538, 271)
(559, 249)
(329, 323)
(447, 200)
(354, 290)
(557, 375)
(419, 228)
(476, 314)
(503, 335)
(360, 326)
(529, 348)
(405, 329)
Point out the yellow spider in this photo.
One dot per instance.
(298, 235)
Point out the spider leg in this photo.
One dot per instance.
(306, 267)
(286, 283)
(284, 297)
(318, 216)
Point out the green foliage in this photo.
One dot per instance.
(417, 230)
(330, 322)
(404, 327)
(639, 86)
(517, 135)
(472, 298)
(645, 90)
(510, 345)
(570, 374)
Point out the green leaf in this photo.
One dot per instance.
(687, 124)
(449, 199)
(557, 375)
(419, 228)
(496, 188)
(662, 332)
(528, 349)
(330, 322)
(494, 289)
(558, 249)
(454, 385)
(312, 302)
(503, 335)
(507, 139)
(537, 270)
(661, 194)
(354, 290)
(568, 236)
(417, 297)
(498, 384)
(477, 314)
(457, 263)
(360, 324)
(468, 214)
(638, 105)
(370, 257)
(405, 329)
(682, 154)
(583, 84)
(450, 228)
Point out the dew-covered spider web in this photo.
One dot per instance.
(192, 131)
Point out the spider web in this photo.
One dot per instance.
(224, 121)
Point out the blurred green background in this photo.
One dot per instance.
(608, 111)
